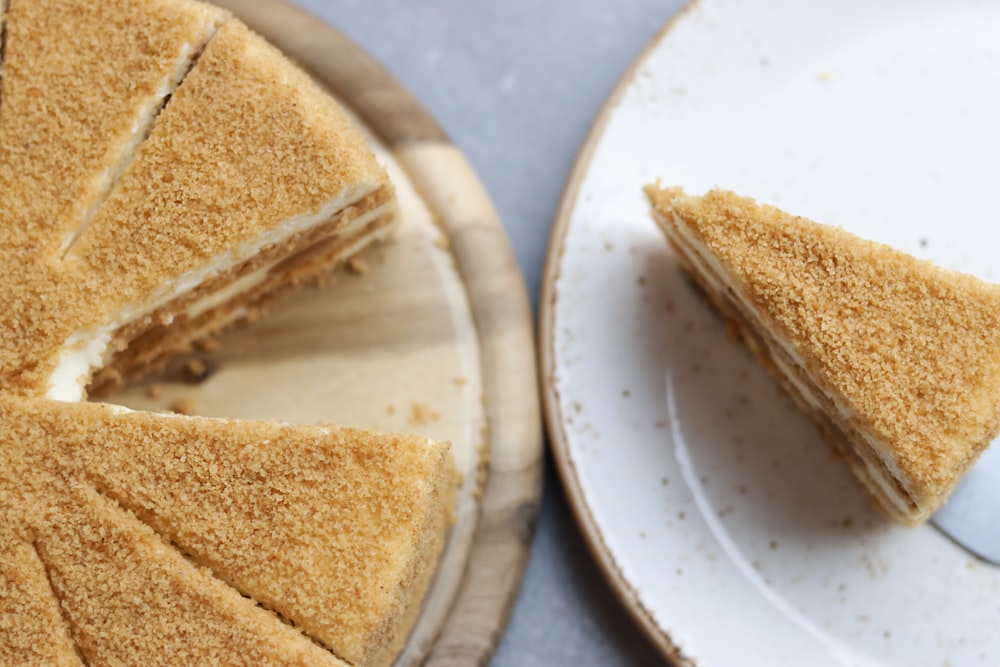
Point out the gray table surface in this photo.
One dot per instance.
(517, 84)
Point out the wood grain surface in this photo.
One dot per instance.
(430, 333)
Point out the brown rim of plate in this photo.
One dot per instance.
(510, 494)
(628, 596)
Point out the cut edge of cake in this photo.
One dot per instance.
(226, 290)
(907, 473)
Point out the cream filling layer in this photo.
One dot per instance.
(245, 283)
(89, 349)
(715, 276)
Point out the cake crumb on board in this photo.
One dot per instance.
(184, 406)
(357, 265)
(421, 415)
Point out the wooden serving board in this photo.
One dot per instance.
(428, 333)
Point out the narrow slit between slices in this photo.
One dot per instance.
(88, 350)
(67, 624)
(142, 127)
(864, 459)
(3, 44)
(120, 504)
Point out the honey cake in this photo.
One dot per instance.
(220, 175)
(336, 530)
(251, 179)
(127, 597)
(897, 360)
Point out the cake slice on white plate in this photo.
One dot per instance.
(897, 360)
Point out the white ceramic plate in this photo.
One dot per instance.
(729, 529)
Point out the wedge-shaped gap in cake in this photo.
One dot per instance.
(132, 599)
(336, 530)
(35, 631)
(82, 83)
(252, 179)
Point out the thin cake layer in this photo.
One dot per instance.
(899, 357)
(248, 163)
(334, 529)
(235, 296)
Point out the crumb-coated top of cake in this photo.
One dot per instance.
(246, 144)
(319, 524)
(124, 596)
(913, 348)
(77, 77)
(248, 141)
(35, 633)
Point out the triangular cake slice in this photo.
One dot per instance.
(251, 179)
(154, 527)
(897, 360)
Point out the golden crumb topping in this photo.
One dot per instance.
(913, 349)
(130, 598)
(80, 79)
(149, 148)
(247, 144)
(32, 628)
(324, 526)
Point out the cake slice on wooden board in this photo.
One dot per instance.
(269, 183)
(336, 530)
(897, 360)
(251, 179)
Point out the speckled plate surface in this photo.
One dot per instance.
(726, 525)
